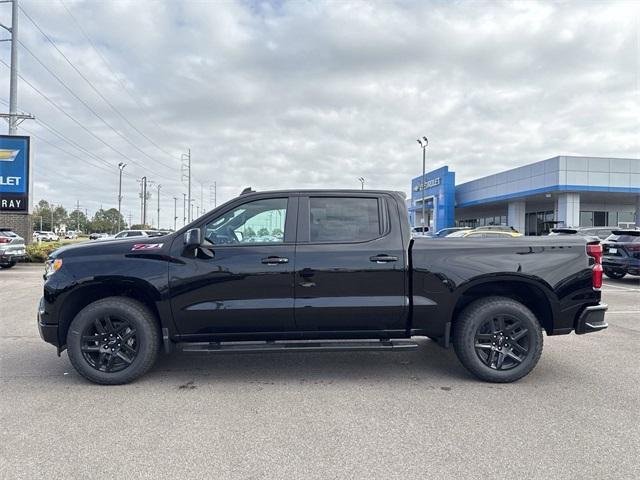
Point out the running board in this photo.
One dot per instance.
(297, 346)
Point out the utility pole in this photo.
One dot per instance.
(121, 166)
(159, 186)
(184, 209)
(142, 194)
(213, 195)
(424, 142)
(201, 197)
(186, 166)
(13, 117)
(78, 215)
(175, 212)
(130, 219)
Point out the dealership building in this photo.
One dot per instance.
(561, 191)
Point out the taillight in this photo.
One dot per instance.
(594, 250)
(4, 240)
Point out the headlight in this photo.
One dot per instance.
(52, 267)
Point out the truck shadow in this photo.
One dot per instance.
(427, 362)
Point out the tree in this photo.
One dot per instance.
(263, 232)
(106, 221)
(277, 233)
(249, 233)
(78, 221)
(139, 226)
(50, 216)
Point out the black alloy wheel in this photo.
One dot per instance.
(109, 344)
(113, 341)
(498, 339)
(502, 342)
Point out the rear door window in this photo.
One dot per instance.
(344, 219)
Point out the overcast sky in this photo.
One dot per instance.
(315, 94)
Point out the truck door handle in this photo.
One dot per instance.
(383, 258)
(273, 260)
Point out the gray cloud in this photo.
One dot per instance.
(315, 94)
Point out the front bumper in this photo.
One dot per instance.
(48, 331)
(592, 319)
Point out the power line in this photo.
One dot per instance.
(94, 88)
(116, 77)
(64, 112)
(86, 105)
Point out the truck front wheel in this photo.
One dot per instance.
(113, 341)
(498, 339)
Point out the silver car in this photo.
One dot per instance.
(12, 248)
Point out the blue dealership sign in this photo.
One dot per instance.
(14, 173)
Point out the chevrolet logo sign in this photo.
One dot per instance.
(8, 155)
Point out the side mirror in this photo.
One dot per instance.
(192, 238)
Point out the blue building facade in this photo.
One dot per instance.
(438, 190)
(560, 191)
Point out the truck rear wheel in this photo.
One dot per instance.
(613, 273)
(113, 341)
(498, 339)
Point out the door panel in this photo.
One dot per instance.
(247, 285)
(357, 285)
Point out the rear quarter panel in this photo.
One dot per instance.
(444, 269)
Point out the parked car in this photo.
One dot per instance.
(601, 232)
(12, 248)
(70, 235)
(420, 231)
(445, 232)
(498, 228)
(483, 233)
(621, 253)
(135, 233)
(47, 236)
(345, 271)
(96, 235)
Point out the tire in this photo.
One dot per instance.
(615, 274)
(8, 265)
(489, 355)
(113, 341)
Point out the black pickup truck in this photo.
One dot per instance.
(316, 270)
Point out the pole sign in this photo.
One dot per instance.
(14, 174)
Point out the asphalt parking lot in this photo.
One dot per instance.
(320, 415)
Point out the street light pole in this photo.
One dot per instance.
(361, 179)
(424, 142)
(121, 166)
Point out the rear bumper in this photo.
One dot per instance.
(592, 319)
(8, 257)
(626, 264)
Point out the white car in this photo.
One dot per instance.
(47, 236)
(135, 233)
(71, 235)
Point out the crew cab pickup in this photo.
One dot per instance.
(316, 270)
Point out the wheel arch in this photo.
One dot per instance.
(534, 293)
(90, 292)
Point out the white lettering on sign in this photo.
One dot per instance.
(13, 181)
(434, 182)
(10, 203)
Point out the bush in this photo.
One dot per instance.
(39, 252)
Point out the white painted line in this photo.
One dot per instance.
(608, 285)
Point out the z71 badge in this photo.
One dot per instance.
(146, 246)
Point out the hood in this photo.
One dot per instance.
(113, 246)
